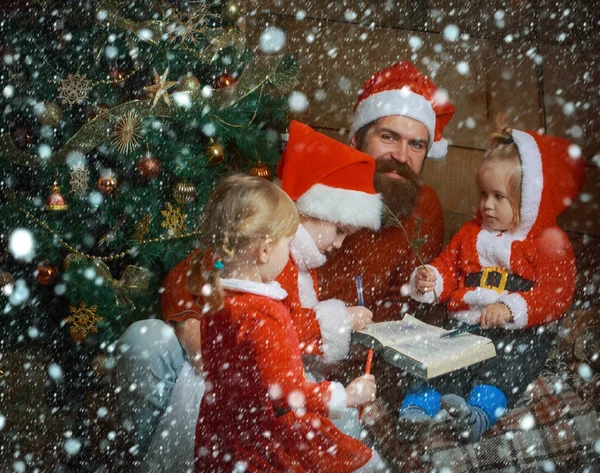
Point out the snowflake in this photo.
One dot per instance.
(126, 131)
(16, 77)
(84, 318)
(74, 88)
(186, 29)
(174, 220)
(79, 178)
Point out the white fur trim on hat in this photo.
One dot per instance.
(343, 206)
(336, 329)
(438, 150)
(338, 401)
(401, 102)
(532, 180)
(427, 297)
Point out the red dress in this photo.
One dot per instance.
(258, 408)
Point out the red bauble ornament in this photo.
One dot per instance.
(56, 202)
(47, 274)
(107, 183)
(224, 80)
(148, 166)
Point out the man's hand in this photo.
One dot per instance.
(359, 317)
(361, 391)
(425, 279)
(495, 315)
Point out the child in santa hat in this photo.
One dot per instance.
(260, 413)
(511, 270)
(332, 186)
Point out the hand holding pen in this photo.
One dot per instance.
(359, 315)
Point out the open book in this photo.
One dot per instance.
(417, 347)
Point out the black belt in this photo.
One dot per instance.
(499, 280)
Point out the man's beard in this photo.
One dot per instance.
(400, 195)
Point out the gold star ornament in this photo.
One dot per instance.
(160, 87)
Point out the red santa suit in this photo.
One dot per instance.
(385, 259)
(531, 270)
(259, 411)
(324, 327)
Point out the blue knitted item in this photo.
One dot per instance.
(489, 399)
(426, 398)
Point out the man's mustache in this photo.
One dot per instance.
(383, 165)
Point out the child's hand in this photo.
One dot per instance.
(359, 317)
(361, 391)
(495, 315)
(425, 279)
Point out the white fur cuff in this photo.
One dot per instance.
(518, 307)
(427, 297)
(334, 322)
(338, 402)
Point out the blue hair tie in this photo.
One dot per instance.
(219, 265)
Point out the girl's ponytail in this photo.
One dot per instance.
(502, 135)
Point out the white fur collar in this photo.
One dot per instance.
(304, 251)
(271, 290)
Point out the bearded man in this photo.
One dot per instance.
(399, 119)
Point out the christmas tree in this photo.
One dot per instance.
(118, 119)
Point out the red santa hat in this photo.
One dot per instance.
(402, 90)
(553, 173)
(329, 180)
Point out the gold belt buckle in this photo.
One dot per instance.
(494, 269)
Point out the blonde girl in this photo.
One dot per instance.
(259, 412)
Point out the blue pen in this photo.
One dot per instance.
(359, 290)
